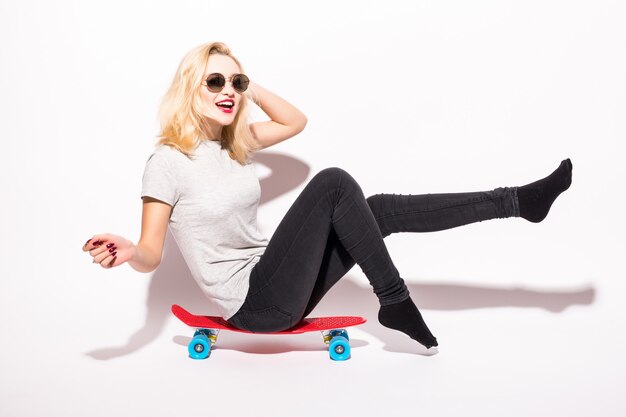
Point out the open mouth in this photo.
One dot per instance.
(226, 105)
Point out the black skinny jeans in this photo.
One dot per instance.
(330, 226)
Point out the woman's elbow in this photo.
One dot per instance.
(302, 123)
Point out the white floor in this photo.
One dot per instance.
(546, 339)
(529, 317)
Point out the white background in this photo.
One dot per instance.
(409, 97)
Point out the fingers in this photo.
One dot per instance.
(106, 258)
(94, 242)
(108, 261)
(102, 251)
(86, 245)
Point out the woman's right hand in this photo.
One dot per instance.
(109, 250)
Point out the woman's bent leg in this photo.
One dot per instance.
(282, 281)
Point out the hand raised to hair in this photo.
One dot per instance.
(109, 250)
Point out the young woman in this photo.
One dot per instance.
(199, 181)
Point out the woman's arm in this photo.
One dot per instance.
(111, 250)
(154, 220)
(287, 120)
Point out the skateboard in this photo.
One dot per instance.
(207, 328)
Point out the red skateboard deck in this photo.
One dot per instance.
(307, 325)
(332, 328)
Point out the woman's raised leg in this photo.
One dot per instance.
(433, 212)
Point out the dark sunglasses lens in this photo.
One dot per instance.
(240, 82)
(215, 82)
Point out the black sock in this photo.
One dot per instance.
(536, 199)
(405, 317)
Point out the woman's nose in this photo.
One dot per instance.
(228, 88)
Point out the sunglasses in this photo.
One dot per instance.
(216, 82)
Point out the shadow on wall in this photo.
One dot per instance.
(172, 283)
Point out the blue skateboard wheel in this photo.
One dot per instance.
(199, 347)
(339, 348)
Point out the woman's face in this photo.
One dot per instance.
(226, 66)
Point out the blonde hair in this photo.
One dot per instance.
(183, 124)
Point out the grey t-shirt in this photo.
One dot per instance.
(214, 203)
